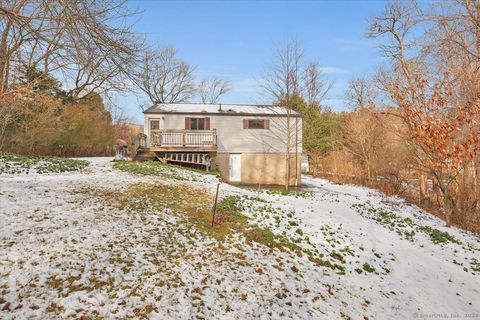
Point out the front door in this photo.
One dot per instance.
(235, 167)
(153, 127)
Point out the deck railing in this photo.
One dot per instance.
(183, 138)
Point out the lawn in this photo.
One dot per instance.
(128, 240)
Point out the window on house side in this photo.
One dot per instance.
(197, 123)
(154, 124)
(256, 124)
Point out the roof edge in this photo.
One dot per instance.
(227, 113)
(152, 109)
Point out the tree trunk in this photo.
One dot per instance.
(423, 187)
(449, 206)
(287, 155)
(4, 58)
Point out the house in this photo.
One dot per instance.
(248, 144)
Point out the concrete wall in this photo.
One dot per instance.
(232, 138)
(221, 164)
(263, 169)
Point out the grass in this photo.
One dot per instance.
(368, 268)
(438, 236)
(287, 225)
(235, 205)
(16, 164)
(238, 222)
(291, 192)
(194, 206)
(404, 227)
(157, 168)
(278, 190)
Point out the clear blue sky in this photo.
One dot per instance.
(235, 40)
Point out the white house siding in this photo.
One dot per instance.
(233, 138)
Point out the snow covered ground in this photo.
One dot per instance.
(67, 254)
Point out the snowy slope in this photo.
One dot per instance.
(66, 255)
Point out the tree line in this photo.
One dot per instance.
(60, 63)
(414, 125)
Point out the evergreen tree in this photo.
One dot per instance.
(321, 130)
(40, 81)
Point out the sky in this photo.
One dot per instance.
(235, 40)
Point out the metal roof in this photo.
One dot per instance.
(220, 109)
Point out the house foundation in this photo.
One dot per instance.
(260, 168)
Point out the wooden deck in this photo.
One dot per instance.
(183, 140)
(180, 146)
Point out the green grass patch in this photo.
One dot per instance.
(368, 268)
(438, 236)
(157, 168)
(234, 205)
(194, 205)
(16, 164)
(291, 192)
(405, 227)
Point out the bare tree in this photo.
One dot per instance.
(88, 43)
(455, 30)
(165, 78)
(283, 136)
(282, 80)
(315, 85)
(290, 81)
(211, 89)
(395, 25)
(436, 91)
(364, 136)
(360, 93)
(452, 44)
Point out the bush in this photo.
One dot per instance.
(42, 125)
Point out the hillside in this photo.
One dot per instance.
(135, 242)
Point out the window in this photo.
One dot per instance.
(197, 123)
(256, 124)
(154, 124)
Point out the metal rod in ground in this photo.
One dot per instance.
(215, 205)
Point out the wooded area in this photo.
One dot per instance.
(56, 69)
(61, 64)
(414, 128)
